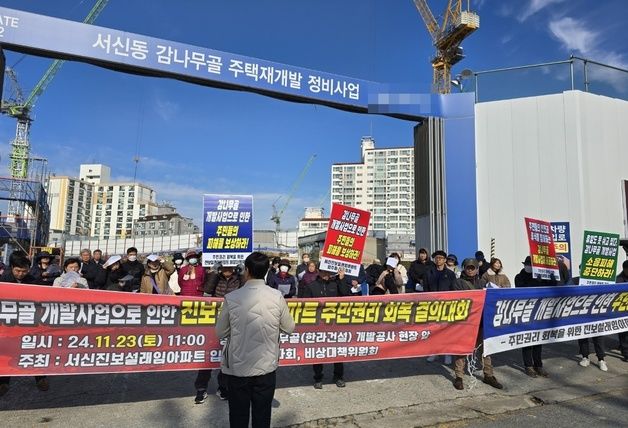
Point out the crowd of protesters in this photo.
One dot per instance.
(183, 274)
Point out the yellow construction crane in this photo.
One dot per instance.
(20, 107)
(276, 218)
(457, 25)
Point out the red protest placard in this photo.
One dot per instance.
(46, 330)
(346, 236)
(542, 249)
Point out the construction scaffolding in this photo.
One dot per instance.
(30, 226)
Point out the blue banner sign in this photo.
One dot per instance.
(520, 317)
(227, 229)
(135, 53)
(25, 31)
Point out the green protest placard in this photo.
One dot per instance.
(599, 258)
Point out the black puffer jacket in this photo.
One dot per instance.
(136, 270)
(525, 279)
(94, 273)
(334, 287)
(418, 270)
(435, 280)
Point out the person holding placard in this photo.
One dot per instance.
(328, 285)
(283, 280)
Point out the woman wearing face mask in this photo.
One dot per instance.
(283, 281)
(495, 275)
(178, 261)
(114, 274)
(156, 275)
(192, 276)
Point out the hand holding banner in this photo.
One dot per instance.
(62, 331)
(542, 250)
(346, 236)
(599, 258)
(227, 229)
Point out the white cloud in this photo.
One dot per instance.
(479, 3)
(505, 9)
(573, 34)
(577, 37)
(535, 6)
(167, 110)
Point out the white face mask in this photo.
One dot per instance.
(132, 258)
(193, 261)
(178, 262)
(528, 269)
(154, 270)
(283, 269)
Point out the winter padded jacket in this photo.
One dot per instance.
(217, 285)
(499, 279)
(436, 280)
(251, 318)
(334, 287)
(161, 278)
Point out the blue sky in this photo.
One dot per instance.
(196, 140)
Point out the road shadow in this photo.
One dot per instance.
(88, 390)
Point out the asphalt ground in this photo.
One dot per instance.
(387, 393)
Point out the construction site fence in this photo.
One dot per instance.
(547, 78)
(145, 245)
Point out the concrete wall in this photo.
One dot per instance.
(557, 157)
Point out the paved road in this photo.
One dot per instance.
(605, 410)
(393, 393)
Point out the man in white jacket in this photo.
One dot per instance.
(251, 319)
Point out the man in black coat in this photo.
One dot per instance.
(532, 359)
(438, 277)
(133, 267)
(93, 273)
(417, 271)
(18, 274)
(42, 271)
(373, 271)
(484, 265)
(327, 285)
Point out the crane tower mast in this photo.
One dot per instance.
(457, 25)
(20, 109)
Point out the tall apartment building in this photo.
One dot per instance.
(116, 206)
(95, 173)
(93, 206)
(382, 183)
(70, 206)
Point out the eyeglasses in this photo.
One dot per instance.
(471, 267)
